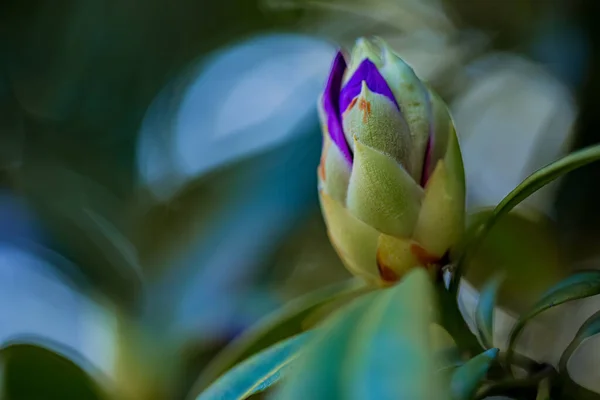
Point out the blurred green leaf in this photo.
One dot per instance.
(318, 368)
(31, 372)
(446, 353)
(378, 347)
(257, 373)
(578, 286)
(571, 390)
(529, 186)
(86, 222)
(466, 378)
(391, 356)
(522, 247)
(589, 328)
(484, 314)
(447, 356)
(282, 324)
(544, 390)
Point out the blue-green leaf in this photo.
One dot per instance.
(578, 286)
(391, 356)
(484, 314)
(282, 324)
(529, 186)
(378, 347)
(589, 328)
(257, 373)
(467, 378)
(317, 371)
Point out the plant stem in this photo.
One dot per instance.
(510, 385)
(453, 321)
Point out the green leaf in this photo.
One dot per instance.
(257, 373)
(578, 286)
(317, 371)
(589, 328)
(31, 371)
(484, 313)
(378, 347)
(571, 390)
(83, 214)
(529, 186)
(544, 390)
(523, 247)
(446, 353)
(467, 378)
(390, 354)
(276, 327)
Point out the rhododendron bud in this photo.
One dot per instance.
(391, 179)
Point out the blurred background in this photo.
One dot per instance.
(158, 166)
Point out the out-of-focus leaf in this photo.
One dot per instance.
(484, 314)
(378, 347)
(257, 373)
(512, 105)
(544, 390)
(234, 125)
(37, 301)
(578, 286)
(571, 390)
(523, 247)
(590, 328)
(31, 371)
(86, 223)
(317, 372)
(446, 353)
(282, 324)
(466, 378)
(530, 185)
(390, 355)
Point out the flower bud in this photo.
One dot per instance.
(391, 179)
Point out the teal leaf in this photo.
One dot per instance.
(484, 313)
(282, 324)
(529, 186)
(390, 354)
(589, 328)
(577, 286)
(257, 373)
(377, 347)
(467, 378)
(33, 371)
(317, 371)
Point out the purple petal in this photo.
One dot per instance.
(331, 105)
(428, 161)
(427, 168)
(368, 72)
